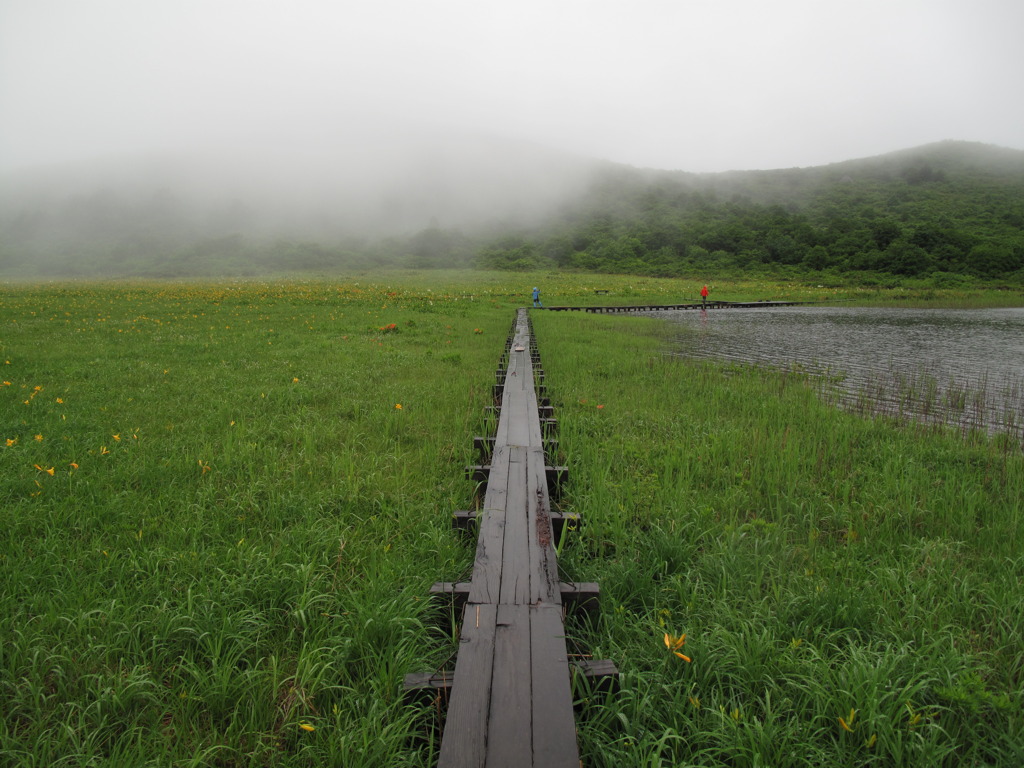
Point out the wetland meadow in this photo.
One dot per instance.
(223, 505)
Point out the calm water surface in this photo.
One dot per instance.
(963, 366)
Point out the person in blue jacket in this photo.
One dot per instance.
(536, 297)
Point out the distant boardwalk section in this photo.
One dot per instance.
(698, 305)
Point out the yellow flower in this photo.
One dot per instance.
(847, 725)
(74, 465)
(675, 643)
(117, 438)
(306, 727)
(43, 469)
(11, 441)
(60, 401)
(398, 406)
(296, 381)
(39, 438)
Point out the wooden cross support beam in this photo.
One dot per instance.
(465, 520)
(600, 674)
(583, 596)
(556, 476)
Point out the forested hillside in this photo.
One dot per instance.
(945, 210)
(952, 207)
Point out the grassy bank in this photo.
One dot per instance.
(220, 528)
(850, 591)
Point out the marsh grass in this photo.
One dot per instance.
(219, 548)
(227, 527)
(822, 565)
(921, 398)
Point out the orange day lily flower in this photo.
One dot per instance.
(674, 644)
(847, 725)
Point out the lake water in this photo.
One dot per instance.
(965, 367)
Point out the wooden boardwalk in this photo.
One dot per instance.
(664, 307)
(510, 697)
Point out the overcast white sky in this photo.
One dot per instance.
(697, 85)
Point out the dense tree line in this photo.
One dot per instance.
(934, 212)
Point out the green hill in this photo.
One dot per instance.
(945, 210)
(952, 207)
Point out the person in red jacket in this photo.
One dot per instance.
(704, 296)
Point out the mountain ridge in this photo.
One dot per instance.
(468, 202)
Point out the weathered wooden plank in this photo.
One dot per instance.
(468, 705)
(515, 405)
(600, 674)
(509, 724)
(542, 564)
(430, 684)
(487, 565)
(515, 558)
(554, 727)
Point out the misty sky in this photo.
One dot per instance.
(697, 85)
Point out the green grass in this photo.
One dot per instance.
(819, 563)
(241, 527)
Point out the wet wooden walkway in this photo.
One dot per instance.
(510, 699)
(665, 307)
